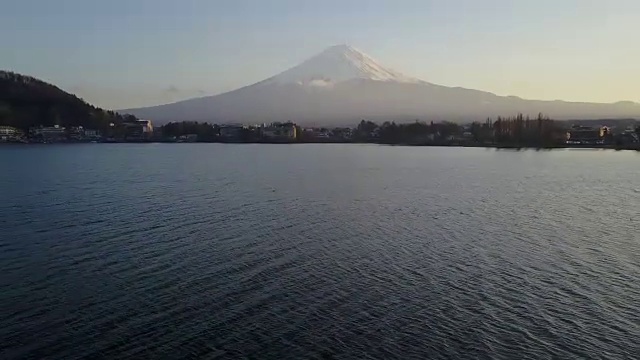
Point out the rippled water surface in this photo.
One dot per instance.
(318, 251)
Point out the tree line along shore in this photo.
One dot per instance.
(510, 132)
(33, 111)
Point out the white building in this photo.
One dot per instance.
(138, 129)
(147, 126)
(8, 133)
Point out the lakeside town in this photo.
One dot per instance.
(518, 131)
(36, 112)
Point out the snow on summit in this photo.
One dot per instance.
(341, 85)
(336, 64)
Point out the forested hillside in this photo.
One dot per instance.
(26, 101)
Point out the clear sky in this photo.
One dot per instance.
(129, 53)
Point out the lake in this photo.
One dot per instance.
(318, 251)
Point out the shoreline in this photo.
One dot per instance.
(486, 146)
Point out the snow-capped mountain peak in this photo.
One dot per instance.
(336, 64)
(342, 85)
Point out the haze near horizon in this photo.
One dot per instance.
(123, 54)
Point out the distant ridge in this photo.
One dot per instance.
(342, 84)
(618, 122)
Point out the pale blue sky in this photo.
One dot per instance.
(127, 53)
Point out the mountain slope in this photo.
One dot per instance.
(26, 101)
(342, 84)
(336, 64)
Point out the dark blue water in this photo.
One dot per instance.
(318, 251)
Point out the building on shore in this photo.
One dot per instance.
(138, 130)
(92, 134)
(8, 131)
(9, 134)
(279, 132)
(586, 135)
(79, 133)
(54, 133)
(231, 133)
(344, 133)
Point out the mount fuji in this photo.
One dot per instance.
(342, 85)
